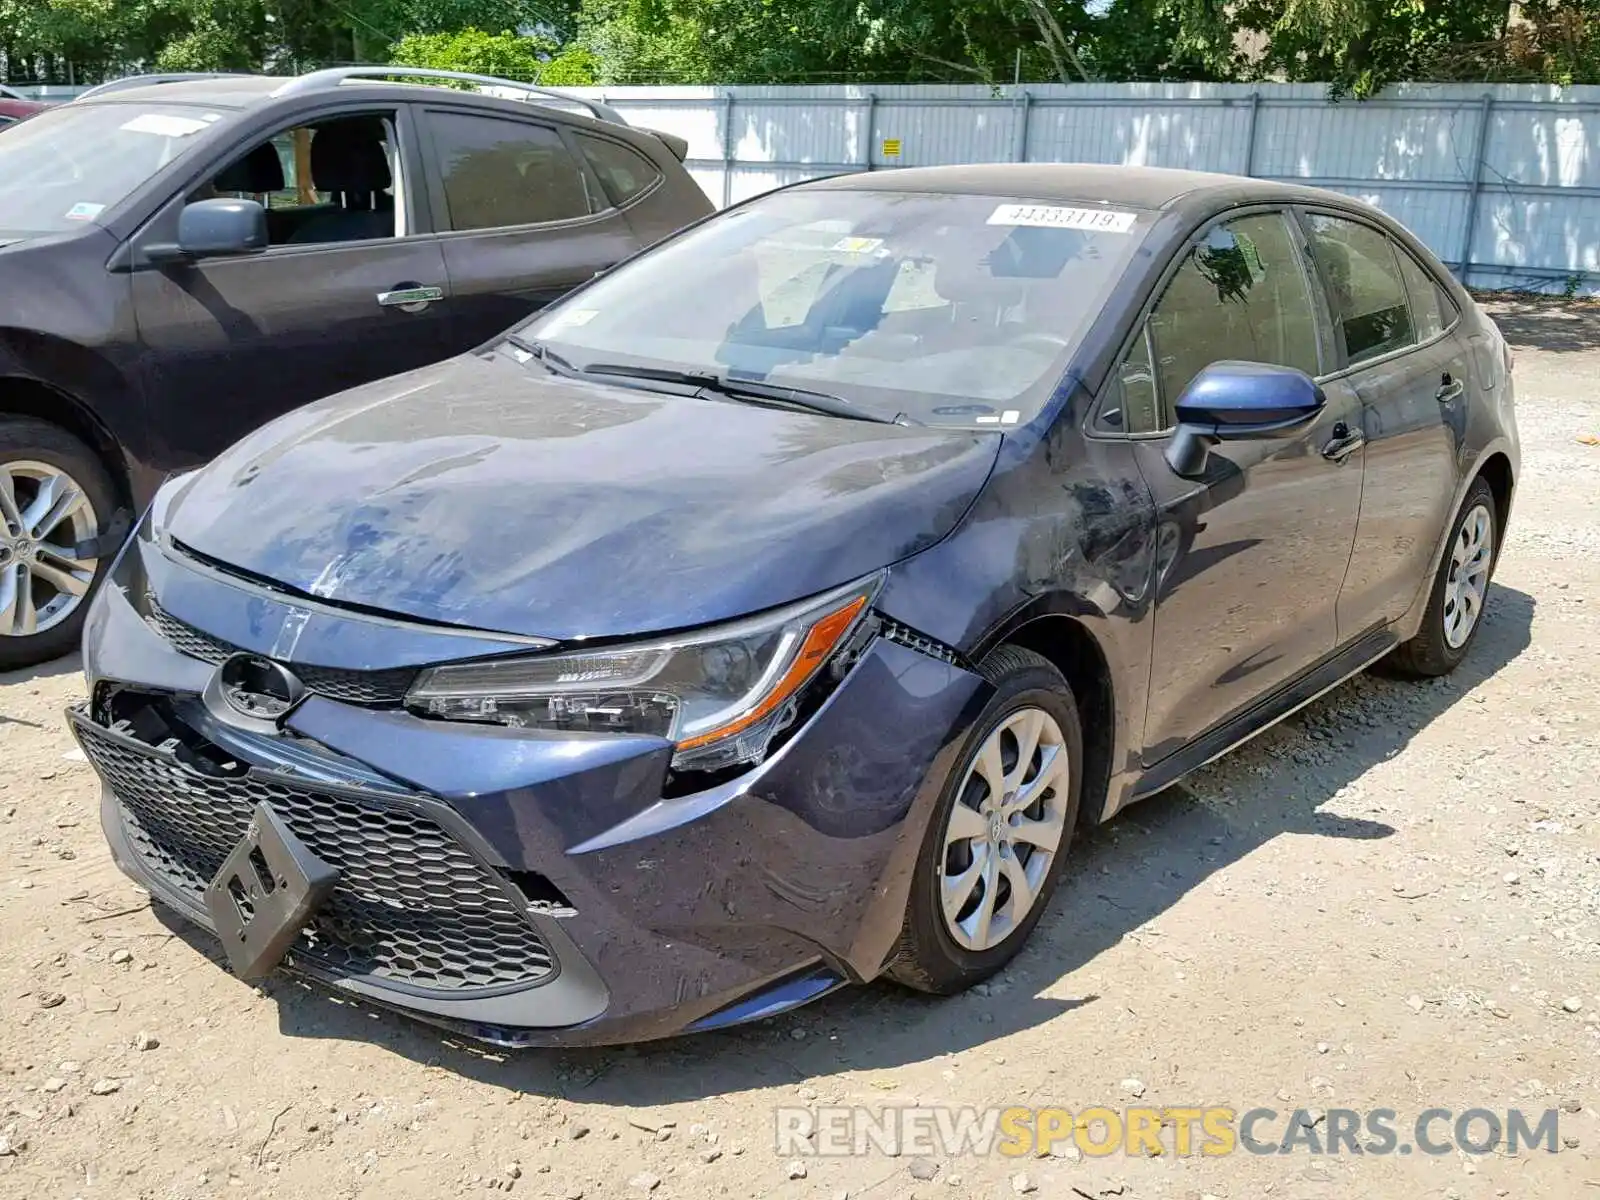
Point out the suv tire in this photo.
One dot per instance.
(54, 494)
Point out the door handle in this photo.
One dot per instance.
(1449, 389)
(410, 297)
(1345, 442)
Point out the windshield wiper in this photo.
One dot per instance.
(754, 389)
(544, 354)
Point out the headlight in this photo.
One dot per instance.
(720, 694)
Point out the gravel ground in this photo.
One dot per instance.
(1391, 901)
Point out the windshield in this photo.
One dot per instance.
(69, 163)
(950, 309)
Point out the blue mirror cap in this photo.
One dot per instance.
(1248, 393)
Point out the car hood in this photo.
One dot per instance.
(487, 494)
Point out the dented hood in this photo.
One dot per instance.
(483, 493)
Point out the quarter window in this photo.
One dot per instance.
(499, 173)
(1242, 294)
(1432, 310)
(622, 172)
(1366, 292)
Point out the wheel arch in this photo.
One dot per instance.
(1496, 467)
(1072, 648)
(25, 396)
(1496, 470)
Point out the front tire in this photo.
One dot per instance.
(1460, 591)
(999, 836)
(54, 492)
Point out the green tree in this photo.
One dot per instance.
(507, 55)
(503, 54)
(1141, 40)
(576, 66)
(1357, 46)
(645, 41)
(796, 41)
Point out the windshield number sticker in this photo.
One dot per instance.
(858, 245)
(83, 210)
(1050, 216)
(163, 125)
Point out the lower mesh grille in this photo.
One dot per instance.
(186, 639)
(388, 686)
(412, 904)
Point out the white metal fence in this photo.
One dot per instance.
(1502, 178)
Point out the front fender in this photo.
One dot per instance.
(1065, 528)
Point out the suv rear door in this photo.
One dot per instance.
(523, 219)
(230, 343)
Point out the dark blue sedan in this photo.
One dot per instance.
(766, 615)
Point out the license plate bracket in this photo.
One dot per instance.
(265, 892)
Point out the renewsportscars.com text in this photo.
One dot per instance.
(840, 1131)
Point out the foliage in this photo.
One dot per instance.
(1357, 46)
(576, 66)
(507, 55)
(504, 54)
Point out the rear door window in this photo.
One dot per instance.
(497, 173)
(1366, 291)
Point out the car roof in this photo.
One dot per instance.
(245, 91)
(1135, 187)
(223, 91)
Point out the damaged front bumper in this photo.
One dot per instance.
(518, 886)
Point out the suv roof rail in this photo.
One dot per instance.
(332, 76)
(136, 81)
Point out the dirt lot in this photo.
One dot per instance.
(1393, 900)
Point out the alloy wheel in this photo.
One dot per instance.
(1005, 829)
(44, 516)
(1468, 582)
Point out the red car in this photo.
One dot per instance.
(14, 108)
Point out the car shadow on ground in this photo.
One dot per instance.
(1555, 323)
(69, 664)
(1120, 877)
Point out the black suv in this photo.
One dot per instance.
(184, 258)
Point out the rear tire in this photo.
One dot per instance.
(54, 494)
(1460, 591)
(982, 851)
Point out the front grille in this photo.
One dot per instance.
(387, 686)
(412, 905)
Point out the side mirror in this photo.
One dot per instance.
(220, 228)
(1230, 401)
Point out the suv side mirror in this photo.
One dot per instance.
(219, 228)
(1233, 400)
